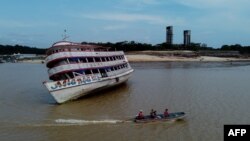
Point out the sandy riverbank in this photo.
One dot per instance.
(176, 56)
(155, 58)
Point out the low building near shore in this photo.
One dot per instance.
(24, 56)
(21, 57)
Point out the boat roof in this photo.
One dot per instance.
(64, 43)
(68, 44)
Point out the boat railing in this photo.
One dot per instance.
(76, 66)
(77, 54)
(117, 72)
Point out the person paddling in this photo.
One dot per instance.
(166, 114)
(140, 115)
(153, 113)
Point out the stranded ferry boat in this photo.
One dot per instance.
(77, 70)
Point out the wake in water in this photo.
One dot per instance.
(74, 122)
(87, 122)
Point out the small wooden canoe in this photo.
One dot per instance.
(161, 117)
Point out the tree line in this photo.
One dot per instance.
(130, 46)
(136, 46)
(8, 49)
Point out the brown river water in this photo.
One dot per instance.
(211, 95)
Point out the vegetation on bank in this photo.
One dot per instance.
(8, 49)
(135, 46)
(131, 46)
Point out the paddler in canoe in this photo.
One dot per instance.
(153, 113)
(165, 116)
(140, 115)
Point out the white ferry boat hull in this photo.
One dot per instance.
(71, 93)
(80, 69)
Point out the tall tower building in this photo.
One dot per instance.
(187, 37)
(169, 35)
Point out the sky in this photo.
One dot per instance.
(40, 23)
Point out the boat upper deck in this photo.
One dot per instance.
(65, 59)
(65, 46)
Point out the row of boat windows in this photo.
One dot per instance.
(86, 60)
(73, 50)
(102, 71)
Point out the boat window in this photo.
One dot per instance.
(102, 71)
(63, 77)
(95, 71)
(97, 59)
(80, 72)
(112, 68)
(73, 60)
(102, 59)
(90, 59)
(83, 60)
(87, 72)
(108, 69)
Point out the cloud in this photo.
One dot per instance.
(115, 27)
(202, 3)
(138, 5)
(213, 4)
(142, 2)
(24, 24)
(125, 17)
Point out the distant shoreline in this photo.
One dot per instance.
(166, 56)
(153, 58)
(179, 56)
